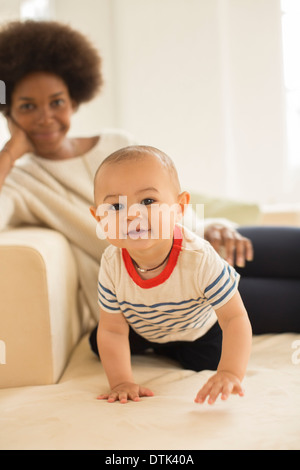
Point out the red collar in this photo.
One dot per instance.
(165, 274)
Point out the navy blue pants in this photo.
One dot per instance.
(270, 284)
(201, 354)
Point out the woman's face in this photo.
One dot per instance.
(42, 108)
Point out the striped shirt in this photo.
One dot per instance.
(177, 305)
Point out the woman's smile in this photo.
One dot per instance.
(46, 135)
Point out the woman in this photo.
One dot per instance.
(47, 177)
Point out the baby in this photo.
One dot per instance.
(160, 286)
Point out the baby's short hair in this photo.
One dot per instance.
(138, 152)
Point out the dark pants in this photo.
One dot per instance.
(201, 354)
(270, 284)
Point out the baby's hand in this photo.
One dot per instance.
(126, 391)
(223, 383)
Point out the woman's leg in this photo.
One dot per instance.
(270, 284)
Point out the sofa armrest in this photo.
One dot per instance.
(39, 320)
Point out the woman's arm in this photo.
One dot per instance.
(6, 164)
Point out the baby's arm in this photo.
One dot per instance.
(114, 350)
(236, 347)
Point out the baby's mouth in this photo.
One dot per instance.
(138, 233)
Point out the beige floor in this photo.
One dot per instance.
(68, 416)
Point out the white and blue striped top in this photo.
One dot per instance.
(177, 305)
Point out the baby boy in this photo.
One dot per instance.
(160, 286)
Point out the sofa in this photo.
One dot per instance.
(50, 379)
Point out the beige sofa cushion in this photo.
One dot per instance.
(281, 214)
(239, 212)
(39, 323)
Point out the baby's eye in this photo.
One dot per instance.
(147, 201)
(116, 207)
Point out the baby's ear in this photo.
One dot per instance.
(93, 211)
(183, 202)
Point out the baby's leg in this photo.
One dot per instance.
(138, 344)
(201, 354)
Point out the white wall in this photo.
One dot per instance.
(170, 85)
(9, 11)
(93, 18)
(255, 97)
(201, 79)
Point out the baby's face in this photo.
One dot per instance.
(137, 202)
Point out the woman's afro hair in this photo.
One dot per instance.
(48, 46)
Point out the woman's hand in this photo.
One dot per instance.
(235, 248)
(126, 391)
(15, 148)
(223, 383)
(19, 143)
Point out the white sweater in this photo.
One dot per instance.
(57, 195)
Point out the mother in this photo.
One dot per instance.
(49, 70)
